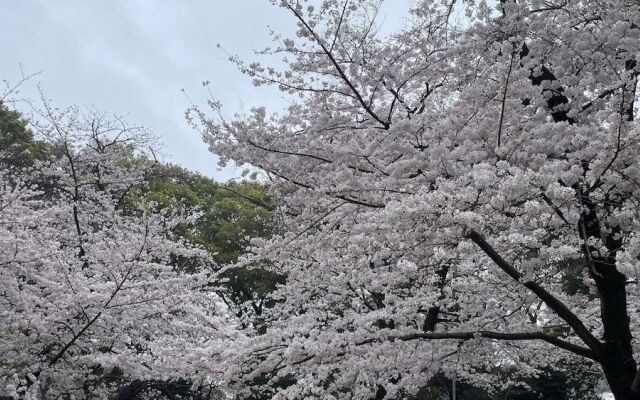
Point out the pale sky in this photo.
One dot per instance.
(133, 57)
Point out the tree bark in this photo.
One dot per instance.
(617, 361)
(617, 353)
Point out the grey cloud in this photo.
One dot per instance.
(133, 57)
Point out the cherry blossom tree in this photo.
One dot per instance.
(459, 196)
(89, 296)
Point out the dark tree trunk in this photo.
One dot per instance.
(618, 363)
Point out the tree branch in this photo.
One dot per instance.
(342, 74)
(550, 300)
(75, 337)
(504, 96)
(563, 344)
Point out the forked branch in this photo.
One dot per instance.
(550, 300)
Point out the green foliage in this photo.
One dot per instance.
(567, 381)
(18, 147)
(226, 214)
(258, 390)
(570, 381)
(224, 218)
(557, 330)
(573, 277)
(430, 393)
(440, 388)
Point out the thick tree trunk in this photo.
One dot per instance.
(617, 360)
(618, 363)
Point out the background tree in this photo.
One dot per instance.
(19, 148)
(224, 219)
(88, 292)
(217, 218)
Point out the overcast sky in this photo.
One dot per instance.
(133, 57)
